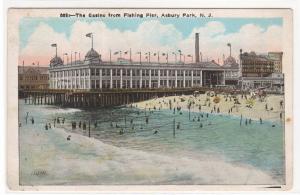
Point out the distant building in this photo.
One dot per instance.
(31, 77)
(256, 65)
(277, 58)
(231, 69)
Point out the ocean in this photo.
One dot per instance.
(178, 134)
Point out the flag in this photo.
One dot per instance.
(228, 44)
(54, 45)
(89, 35)
(125, 52)
(154, 54)
(179, 51)
(189, 55)
(116, 53)
(146, 53)
(163, 54)
(33, 63)
(66, 54)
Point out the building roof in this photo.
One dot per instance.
(32, 69)
(92, 55)
(230, 62)
(56, 61)
(253, 56)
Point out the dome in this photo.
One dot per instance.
(91, 55)
(56, 61)
(230, 62)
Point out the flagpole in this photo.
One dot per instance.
(167, 58)
(56, 51)
(130, 55)
(149, 57)
(140, 57)
(92, 40)
(110, 56)
(158, 56)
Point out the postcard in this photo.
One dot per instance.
(149, 99)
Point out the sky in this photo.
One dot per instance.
(164, 35)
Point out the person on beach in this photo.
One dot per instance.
(95, 124)
(246, 122)
(26, 116)
(280, 115)
(63, 121)
(46, 127)
(54, 122)
(250, 120)
(201, 125)
(266, 107)
(241, 120)
(49, 125)
(218, 110)
(84, 126)
(79, 124)
(32, 120)
(281, 104)
(260, 120)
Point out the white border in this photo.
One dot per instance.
(167, 3)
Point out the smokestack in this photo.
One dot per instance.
(197, 47)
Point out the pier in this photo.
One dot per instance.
(104, 98)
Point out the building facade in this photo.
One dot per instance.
(31, 77)
(277, 58)
(94, 74)
(256, 65)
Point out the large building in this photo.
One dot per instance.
(93, 74)
(262, 71)
(256, 65)
(33, 77)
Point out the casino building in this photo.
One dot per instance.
(94, 74)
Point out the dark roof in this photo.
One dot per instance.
(92, 54)
(56, 61)
(27, 69)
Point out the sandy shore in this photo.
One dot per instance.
(226, 105)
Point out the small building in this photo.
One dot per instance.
(232, 71)
(32, 77)
(277, 58)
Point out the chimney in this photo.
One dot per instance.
(197, 47)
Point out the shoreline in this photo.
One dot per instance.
(228, 108)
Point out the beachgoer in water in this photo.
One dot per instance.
(155, 132)
(46, 127)
(260, 120)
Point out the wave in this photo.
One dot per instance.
(84, 160)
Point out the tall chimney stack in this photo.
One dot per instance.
(197, 47)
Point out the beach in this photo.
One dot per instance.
(226, 105)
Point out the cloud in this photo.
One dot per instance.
(150, 36)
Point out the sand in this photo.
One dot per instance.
(257, 111)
